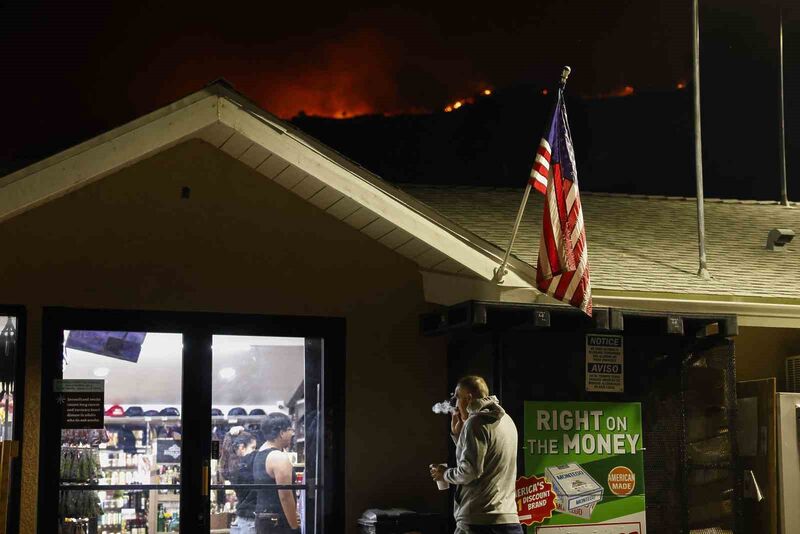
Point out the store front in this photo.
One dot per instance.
(139, 428)
(675, 374)
(249, 264)
(208, 236)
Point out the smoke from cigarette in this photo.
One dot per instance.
(444, 407)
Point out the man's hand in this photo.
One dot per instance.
(456, 423)
(437, 472)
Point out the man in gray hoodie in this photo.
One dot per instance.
(486, 455)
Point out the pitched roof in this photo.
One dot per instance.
(280, 152)
(636, 244)
(645, 243)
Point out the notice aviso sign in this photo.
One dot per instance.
(584, 468)
(604, 363)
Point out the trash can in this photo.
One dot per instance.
(399, 521)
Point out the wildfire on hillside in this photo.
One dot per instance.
(458, 104)
(625, 90)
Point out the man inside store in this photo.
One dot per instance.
(486, 456)
(276, 510)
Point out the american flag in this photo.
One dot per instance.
(562, 270)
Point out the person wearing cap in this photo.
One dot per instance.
(486, 456)
(273, 466)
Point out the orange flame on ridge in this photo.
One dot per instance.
(469, 100)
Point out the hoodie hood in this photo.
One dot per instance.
(486, 468)
(486, 406)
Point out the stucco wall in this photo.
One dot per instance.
(241, 244)
(761, 352)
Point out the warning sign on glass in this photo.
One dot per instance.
(604, 363)
(81, 402)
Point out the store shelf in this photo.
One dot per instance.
(157, 419)
(237, 419)
(166, 420)
(119, 468)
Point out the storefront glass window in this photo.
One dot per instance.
(8, 371)
(258, 431)
(130, 443)
(121, 432)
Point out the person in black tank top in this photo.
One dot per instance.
(244, 446)
(267, 499)
(272, 466)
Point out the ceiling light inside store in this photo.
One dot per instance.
(227, 373)
(230, 347)
(101, 372)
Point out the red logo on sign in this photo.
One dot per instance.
(621, 481)
(535, 500)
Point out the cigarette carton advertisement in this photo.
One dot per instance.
(589, 459)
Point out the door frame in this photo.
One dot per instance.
(195, 326)
(764, 462)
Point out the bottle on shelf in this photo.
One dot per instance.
(160, 521)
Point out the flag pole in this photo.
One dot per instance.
(702, 271)
(784, 195)
(500, 272)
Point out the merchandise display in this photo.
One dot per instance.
(126, 453)
(125, 477)
(136, 450)
(79, 466)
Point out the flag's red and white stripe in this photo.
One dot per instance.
(541, 167)
(563, 266)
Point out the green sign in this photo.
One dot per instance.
(591, 454)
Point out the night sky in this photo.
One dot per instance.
(74, 69)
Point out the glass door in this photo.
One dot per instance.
(121, 432)
(264, 425)
(185, 422)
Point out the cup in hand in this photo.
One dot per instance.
(442, 484)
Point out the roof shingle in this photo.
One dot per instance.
(645, 243)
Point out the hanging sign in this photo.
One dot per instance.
(81, 403)
(168, 451)
(604, 363)
(590, 454)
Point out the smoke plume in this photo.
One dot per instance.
(444, 408)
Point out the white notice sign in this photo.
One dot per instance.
(604, 363)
